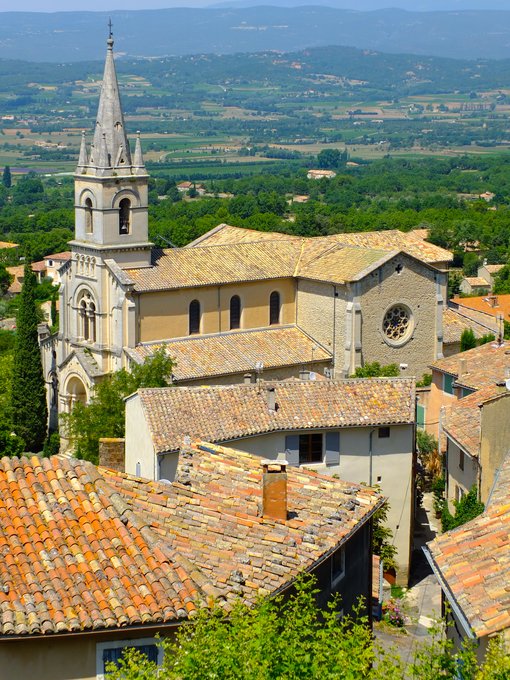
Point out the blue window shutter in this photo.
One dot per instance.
(332, 448)
(292, 449)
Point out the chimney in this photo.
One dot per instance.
(271, 399)
(247, 379)
(493, 300)
(274, 489)
(304, 374)
(112, 453)
(462, 368)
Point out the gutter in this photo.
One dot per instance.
(459, 614)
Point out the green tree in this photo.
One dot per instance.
(375, 370)
(330, 159)
(104, 415)
(5, 279)
(467, 339)
(502, 282)
(466, 509)
(28, 395)
(291, 639)
(6, 177)
(382, 536)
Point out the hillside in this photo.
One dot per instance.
(154, 33)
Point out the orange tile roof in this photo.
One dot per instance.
(204, 356)
(7, 244)
(64, 256)
(463, 418)
(474, 561)
(413, 242)
(483, 366)
(89, 549)
(483, 303)
(222, 413)
(455, 322)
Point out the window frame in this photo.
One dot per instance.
(235, 299)
(121, 644)
(310, 436)
(384, 432)
(448, 380)
(338, 575)
(275, 308)
(194, 324)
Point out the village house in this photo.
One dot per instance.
(460, 375)
(487, 308)
(321, 174)
(456, 321)
(357, 429)
(95, 560)
(472, 564)
(477, 431)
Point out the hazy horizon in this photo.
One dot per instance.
(117, 5)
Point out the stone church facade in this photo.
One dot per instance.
(235, 304)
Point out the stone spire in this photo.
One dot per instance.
(83, 160)
(110, 133)
(138, 163)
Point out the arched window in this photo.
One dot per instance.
(274, 308)
(124, 216)
(235, 312)
(89, 223)
(87, 312)
(194, 317)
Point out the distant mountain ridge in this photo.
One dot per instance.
(80, 36)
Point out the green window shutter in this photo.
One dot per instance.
(420, 416)
(292, 449)
(332, 448)
(448, 381)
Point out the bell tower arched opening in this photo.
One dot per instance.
(125, 216)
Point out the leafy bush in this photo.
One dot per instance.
(466, 509)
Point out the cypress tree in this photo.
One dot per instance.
(29, 410)
(6, 177)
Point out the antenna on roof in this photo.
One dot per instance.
(166, 240)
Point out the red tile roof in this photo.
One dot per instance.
(474, 561)
(223, 413)
(482, 366)
(89, 549)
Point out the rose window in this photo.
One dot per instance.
(397, 323)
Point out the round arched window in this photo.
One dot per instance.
(398, 324)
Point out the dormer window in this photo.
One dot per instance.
(125, 216)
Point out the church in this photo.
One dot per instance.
(236, 305)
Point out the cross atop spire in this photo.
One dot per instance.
(109, 42)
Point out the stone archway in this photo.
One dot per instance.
(75, 392)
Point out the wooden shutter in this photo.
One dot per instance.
(292, 449)
(332, 448)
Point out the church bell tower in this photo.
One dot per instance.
(111, 185)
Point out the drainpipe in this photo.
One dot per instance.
(370, 455)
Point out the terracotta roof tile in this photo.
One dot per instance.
(222, 413)
(489, 305)
(463, 419)
(236, 352)
(474, 560)
(85, 548)
(228, 254)
(455, 322)
(413, 242)
(483, 366)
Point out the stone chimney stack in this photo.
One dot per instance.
(274, 489)
(304, 374)
(462, 368)
(247, 379)
(271, 399)
(112, 454)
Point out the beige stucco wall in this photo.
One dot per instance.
(56, 658)
(437, 399)
(282, 373)
(321, 313)
(464, 479)
(139, 446)
(392, 465)
(165, 314)
(417, 287)
(495, 440)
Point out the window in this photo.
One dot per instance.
(87, 313)
(235, 312)
(461, 460)
(107, 652)
(89, 224)
(274, 308)
(124, 216)
(448, 381)
(398, 324)
(310, 448)
(337, 567)
(384, 432)
(194, 317)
